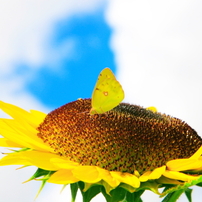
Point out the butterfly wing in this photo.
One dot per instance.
(107, 94)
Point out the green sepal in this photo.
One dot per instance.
(122, 193)
(63, 187)
(20, 150)
(199, 184)
(116, 195)
(107, 187)
(25, 149)
(43, 182)
(74, 189)
(134, 197)
(89, 192)
(169, 189)
(119, 194)
(41, 173)
(173, 197)
(188, 193)
(150, 185)
(44, 174)
(128, 187)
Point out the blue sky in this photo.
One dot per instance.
(78, 72)
(51, 53)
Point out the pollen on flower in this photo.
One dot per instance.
(125, 139)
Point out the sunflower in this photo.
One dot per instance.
(120, 153)
(101, 146)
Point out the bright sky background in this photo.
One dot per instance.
(51, 53)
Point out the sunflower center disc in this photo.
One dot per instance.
(124, 139)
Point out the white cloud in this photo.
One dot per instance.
(158, 49)
(26, 25)
(158, 46)
(25, 28)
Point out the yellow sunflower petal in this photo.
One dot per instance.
(165, 180)
(39, 116)
(88, 174)
(197, 154)
(145, 176)
(7, 131)
(27, 137)
(107, 177)
(107, 187)
(192, 163)
(19, 114)
(151, 175)
(63, 177)
(87, 186)
(7, 143)
(107, 181)
(22, 129)
(179, 176)
(184, 164)
(126, 178)
(63, 163)
(28, 158)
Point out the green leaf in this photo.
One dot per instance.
(90, 193)
(74, 188)
(172, 197)
(188, 193)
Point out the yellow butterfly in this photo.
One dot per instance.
(107, 93)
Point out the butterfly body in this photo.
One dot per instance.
(107, 94)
